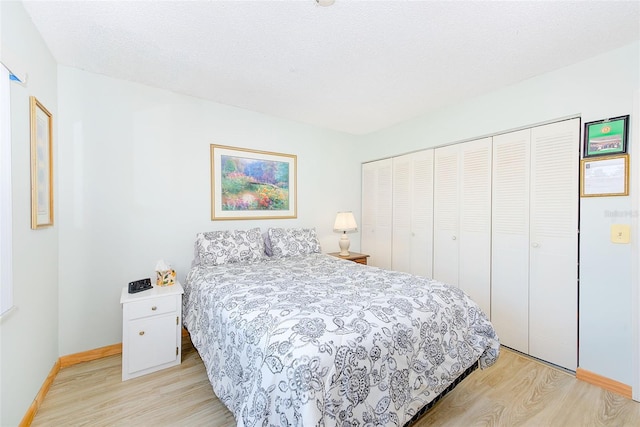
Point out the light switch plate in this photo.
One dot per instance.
(620, 233)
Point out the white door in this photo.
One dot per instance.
(401, 246)
(553, 295)
(510, 239)
(422, 214)
(376, 230)
(412, 250)
(446, 209)
(474, 256)
(152, 342)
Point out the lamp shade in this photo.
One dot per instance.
(345, 221)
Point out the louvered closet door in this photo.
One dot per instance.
(474, 256)
(422, 214)
(401, 248)
(377, 212)
(446, 214)
(413, 213)
(554, 243)
(510, 239)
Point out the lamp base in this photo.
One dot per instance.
(344, 245)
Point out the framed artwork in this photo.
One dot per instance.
(606, 137)
(251, 184)
(604, 176)
(41, 165)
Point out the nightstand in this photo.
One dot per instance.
(353, 256)
(151, 330)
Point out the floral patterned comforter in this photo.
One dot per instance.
(319, 341)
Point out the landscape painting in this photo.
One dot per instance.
(251, 184)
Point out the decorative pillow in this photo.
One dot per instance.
(229, 246)
(286, 242)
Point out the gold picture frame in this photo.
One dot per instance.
(41, 122)
(604, 176)
(252, 184)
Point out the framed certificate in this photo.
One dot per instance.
(604, 176)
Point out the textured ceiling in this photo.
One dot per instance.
(356, 66)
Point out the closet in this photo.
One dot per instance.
(462, 218)
(376, 228)
(534, 294)
(412, 232)
(497, 217)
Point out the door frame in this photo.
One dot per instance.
(635, 248)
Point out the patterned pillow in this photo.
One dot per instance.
(286, 242)
(229, 246)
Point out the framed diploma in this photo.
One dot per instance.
(604, 176)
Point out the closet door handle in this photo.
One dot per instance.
(535, 244)
(453, 237)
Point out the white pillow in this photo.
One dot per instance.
(286, 242)
(228, 246)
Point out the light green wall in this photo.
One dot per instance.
(135, 188)
(598, 88)
(29, 333)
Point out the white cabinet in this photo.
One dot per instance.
(462, 218)
(376, 229)
(151, 330)
(535, 241)
(412, 245)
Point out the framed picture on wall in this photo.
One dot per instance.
(606, 137)
(41, 165)
(252, 184)
(604, 176)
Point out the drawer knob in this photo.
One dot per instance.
(141, 333)
(154, 308)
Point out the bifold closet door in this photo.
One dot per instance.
(412, 249)
(376, 228)
(474, 264)
(553, 290)
(462, 218)
(446, 214)
(510, 239)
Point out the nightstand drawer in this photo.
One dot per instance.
(152, 307)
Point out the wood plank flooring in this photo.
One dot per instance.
(517, 391)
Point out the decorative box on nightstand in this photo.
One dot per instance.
(353, 256)
(151, 330)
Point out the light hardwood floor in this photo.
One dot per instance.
(516, 391)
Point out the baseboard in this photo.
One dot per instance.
(33, 408)
(604, 382)
(88, 356)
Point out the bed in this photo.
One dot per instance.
(293, 337)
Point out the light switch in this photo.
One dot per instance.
(620, 233)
